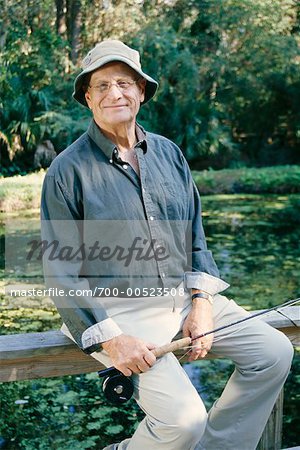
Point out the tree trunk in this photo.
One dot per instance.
(33, 15)
(60, 17)
(74, 21)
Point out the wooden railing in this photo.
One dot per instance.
(51, 354)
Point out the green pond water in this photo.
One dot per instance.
(255, 242)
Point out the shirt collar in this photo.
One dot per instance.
(141, 137)
(107, 146)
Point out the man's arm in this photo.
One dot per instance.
(61, 228)
(90, 327)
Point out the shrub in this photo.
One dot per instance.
(266, 180)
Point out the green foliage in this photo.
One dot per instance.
(63, 413)
(183, 110)
(272, 180)
(69, 412)
(241, 61)
(228, 72)
(35, 86)
(20, 319)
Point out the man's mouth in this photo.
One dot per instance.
(115, 106)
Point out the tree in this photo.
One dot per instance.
(228, 72)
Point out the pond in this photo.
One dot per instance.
(255, 242)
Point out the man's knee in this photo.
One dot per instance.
(184, 426)
(190, 420)
(194, 426)
(278, 354)
(284, 352)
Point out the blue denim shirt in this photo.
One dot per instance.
(88, 188)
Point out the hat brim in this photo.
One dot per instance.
(79, 94)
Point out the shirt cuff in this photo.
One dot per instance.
(100, 332)
(205, 282)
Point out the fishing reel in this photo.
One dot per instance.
(116, 387)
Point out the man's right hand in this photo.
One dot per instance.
(130, 354)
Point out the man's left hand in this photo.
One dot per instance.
(198, 321)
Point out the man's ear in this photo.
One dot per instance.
(88, 99)
(142, 85)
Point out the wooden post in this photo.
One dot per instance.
(271, 437)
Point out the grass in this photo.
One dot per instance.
(21, 192)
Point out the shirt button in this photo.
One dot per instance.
(111, 161)
(151, 218)
(163, 275)
(115, 150)
(125, 166)
(144, 190)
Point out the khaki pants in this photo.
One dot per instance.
(176, 418)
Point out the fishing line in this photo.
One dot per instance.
(251, 316)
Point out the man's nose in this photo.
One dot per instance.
(114, 91)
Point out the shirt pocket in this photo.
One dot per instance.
(176, 200)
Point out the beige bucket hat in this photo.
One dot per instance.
(108, 51)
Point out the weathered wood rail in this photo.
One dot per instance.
(51, 354)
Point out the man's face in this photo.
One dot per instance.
(114, 106)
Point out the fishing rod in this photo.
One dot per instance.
(118, 388)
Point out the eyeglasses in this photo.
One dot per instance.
(104, 86)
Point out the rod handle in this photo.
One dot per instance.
(172, 346)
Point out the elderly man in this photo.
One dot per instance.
(127, 186)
